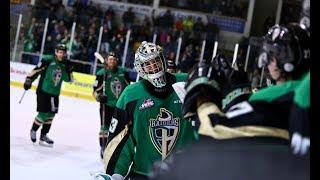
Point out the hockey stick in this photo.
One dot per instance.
(101, 59)
(99, 56)
(22, 96)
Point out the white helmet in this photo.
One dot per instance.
(150, 63)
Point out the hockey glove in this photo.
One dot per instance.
(27, 84)
(203, 85)
(237, 87)
(101, 98)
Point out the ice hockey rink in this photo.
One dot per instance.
(75, 133)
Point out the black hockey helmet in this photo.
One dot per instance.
(62, 47)
(290, 45)
(111, 53)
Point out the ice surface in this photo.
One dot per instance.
(74, 131)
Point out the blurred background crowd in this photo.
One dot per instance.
(90, 16)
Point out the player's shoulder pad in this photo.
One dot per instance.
(181, 77)
(270, 94)
(101, 72)
(45, 60)
(131, 93)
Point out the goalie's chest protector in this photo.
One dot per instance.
(157, 119)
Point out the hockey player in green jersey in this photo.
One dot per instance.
(147, 125)
(53, 69)
(110, 82)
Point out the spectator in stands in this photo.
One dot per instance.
(117, 45)
(212, 30)
(98, 13)
(58, 39)
(92, 44)
(49, 46)
(30, 28)
(55, 30)
(61, 27)
(108, 20)
(167, 20)
(198, 25)
(163, 36)
(121, 30)
(83, 34)
(92, 10)
(105, 39)
(154, 19)
(52, 14)
(188, 23)
(169, 46)
(28, 47)
(128, 18)
(179, 24)
(109, 12)
(144, 29)
(61, 12)
(77, 46)
(187, 58)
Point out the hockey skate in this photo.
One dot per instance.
(45, 141)
(33, 136)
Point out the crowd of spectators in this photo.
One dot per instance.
(231, 8)
(90, 17)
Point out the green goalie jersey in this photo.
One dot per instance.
(52, 72)
(146, 128)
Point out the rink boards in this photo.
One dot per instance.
(81, 87)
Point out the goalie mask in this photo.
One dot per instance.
(150, 64)
(290, 46)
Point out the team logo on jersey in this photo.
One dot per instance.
(116, 87)
(164, 127)
(146, 104)
(56, 76)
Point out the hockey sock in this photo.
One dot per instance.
(36, 124)
(45, 128)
